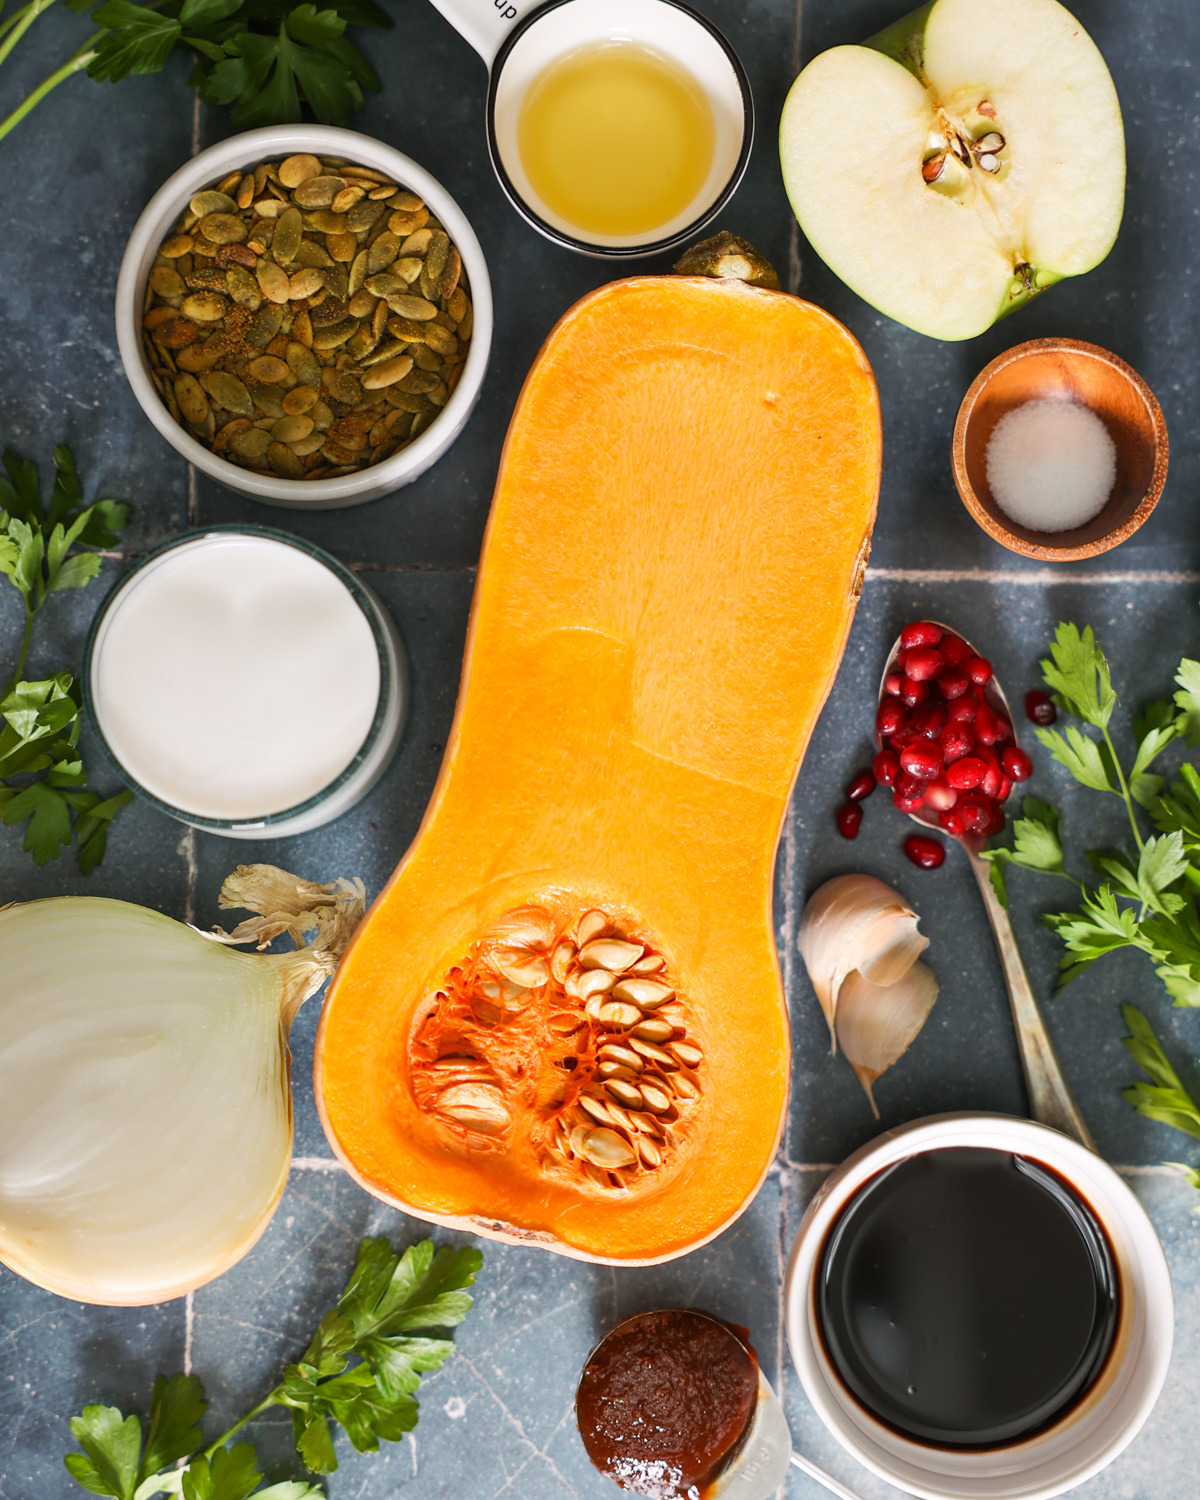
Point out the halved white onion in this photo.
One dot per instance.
(145, 1101)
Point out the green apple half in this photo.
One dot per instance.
(959, 162)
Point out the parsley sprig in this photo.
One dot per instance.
(265, 58)
(43, 781)
(1145, 896)
(361, 1370)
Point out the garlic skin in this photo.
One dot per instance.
(855, 923)
(877, 1024)
(145, 1102)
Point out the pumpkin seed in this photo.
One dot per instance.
(223, 228)
(654, 1031)
(627, 1094)
(614, 1052)
(212, 202)
(317, 192)
(596, 1108)
(477, 1106)
(404, 305)
(617, 1014)
(613, 954)
(387, 373)
(305, 283)
(648, 1153)
(273, 281)
(289, 231)
(596, 982)
(655, 1098)
(654, 1054)
(192, 401)
(649, 994)
(297, 169)
(605, 1148)
(251, 442)
(274, 261)
(686, 1054)
(229, 392)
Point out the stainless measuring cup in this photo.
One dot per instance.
(519, 41)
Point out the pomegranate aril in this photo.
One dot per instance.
(892, 682)
(913, 692)
(922, 663)
(907, 804)
(908, 785)
(966, 774)
(924, 852)
(923, 760)
(952, 823)
(990, 785)
(961, 711)
(996, 822)
(955, 743)
(986, 729)
(905, 735)
(953, 683)
(890, 717)
(955, 650)
(862, 786)
(1016, 763)
(920, 633)
(1004, 730)
(979, 670)
(1006, 786)
(940, 795)
(929, 720)
(849, 820)
(1039, 707)
(886, 767)
(975, 811)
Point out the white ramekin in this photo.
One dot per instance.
(1094, 1431)
(158, 219)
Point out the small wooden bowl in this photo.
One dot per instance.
(1067, 370)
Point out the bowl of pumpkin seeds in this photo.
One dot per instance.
(305, 314)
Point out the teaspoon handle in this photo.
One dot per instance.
(806, 1466)
(1050, 1099)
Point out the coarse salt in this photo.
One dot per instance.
(1051, 465)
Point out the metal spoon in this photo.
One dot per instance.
(760, 1465)
(1050, 1099)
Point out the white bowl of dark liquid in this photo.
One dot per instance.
(979, 1309)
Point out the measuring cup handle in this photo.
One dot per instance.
(484, 23)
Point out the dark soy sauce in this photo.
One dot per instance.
(967, 1297)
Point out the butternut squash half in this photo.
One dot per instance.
(562, 1022)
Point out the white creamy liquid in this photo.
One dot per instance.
(235, 677)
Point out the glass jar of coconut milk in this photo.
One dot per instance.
(246, 683)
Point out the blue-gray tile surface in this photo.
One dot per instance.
(497, 1421)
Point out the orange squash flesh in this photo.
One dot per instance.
(672, 562)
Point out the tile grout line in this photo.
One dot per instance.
(189, 1313)
(1032, 577)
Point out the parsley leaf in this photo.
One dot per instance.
(1078, 672)
(1086, 760)
(381, 1320)
(137, 40)
(1037, 845)
(1165, 1099)
(387, 1297)
(267, 78)
(39, 721)
(1100, 927)
(1187, 700)
(1155, 728)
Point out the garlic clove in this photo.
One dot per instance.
(855, 922)
(876, 1024)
